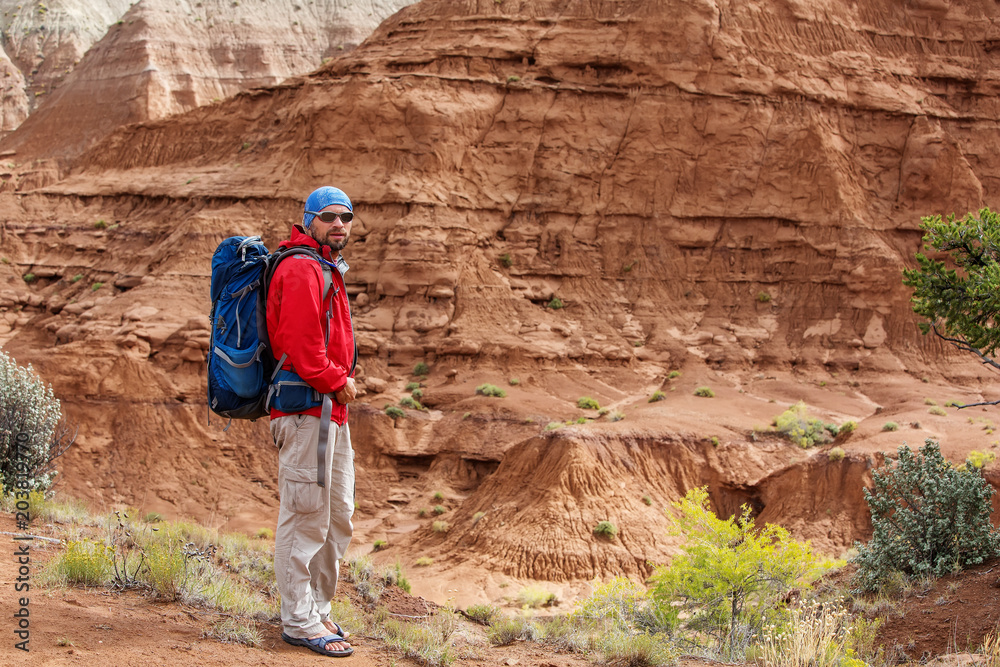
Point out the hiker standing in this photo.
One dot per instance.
(309, 326)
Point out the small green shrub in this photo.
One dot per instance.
(417, 394)
(440, 526)
(421, 369)
(378, 545)
(29, 277)
(617, 416)
(556, 303)
(506, 630)
(506, 261)
(513, 382)
(673, 375)
(979, 460)
(84, 562)
(264, 534)
(940, 412)
(410, 402)
(77, 278)
(236, 630)
(929, 518)
(490, 390)
(153, 517)
(587, 403)
(422, 512)
(704, 392)
(715, 441)
(847, 428)
(439, 509)
(96, 286)
(647, 500)
(763, 297)
(513, 78)
(410, 386)
(100, 224)
(424, 561)
(438, 496)
(532, 597)
(551, 426)
(890, 426)
(606, 529)
(477, 516)
(836, 454)
(930, 401)
(797, 425)
(394, 412)
(657, 396)
(484, 614)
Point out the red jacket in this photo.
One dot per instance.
(295, 323)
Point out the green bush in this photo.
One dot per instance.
(506, 261)
(940, 412)
(730, 576)
(439, 509)
(410, 402)
(798, 426)
(32, 436)
(847, 428)
(421, 369)
(378, 545)
(394, 412)
(647, 500)
(532, 597)
(617, 416)
(763, 297)
(513, 382)
(440, 526)
(484, 614)
(657, 396)
(606, 529)
(836, 454)
(410, 386)
(704, 392)
(556, 303)
(928, 518)
(29, 277)
(490, 390)
(551, 426)
(890, 426)
(978, 460)
(673, 375)
(587, 403)
(417, 394)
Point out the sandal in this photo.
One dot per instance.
(318, 644)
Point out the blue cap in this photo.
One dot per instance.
(323, 197)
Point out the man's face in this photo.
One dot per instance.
(332, 234)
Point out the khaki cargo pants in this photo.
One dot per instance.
(314, 523)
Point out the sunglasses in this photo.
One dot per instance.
(330, 216)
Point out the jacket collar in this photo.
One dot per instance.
(300, 238)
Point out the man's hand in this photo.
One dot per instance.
(347, 393)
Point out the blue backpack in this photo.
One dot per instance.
(241, 366)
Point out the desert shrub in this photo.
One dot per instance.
(100, 224)
(978, 460)
(673, 375)
(940, 412)
(394, 412)
(763, 297)
(490, 390)
(513, 382)
(484, 614)
(378, 545)
(506, 261)
(657, 396)
(847, 428)
(617, 416)
(890, 426)
(77, 278)
(421, 369)
(264, 534)
(84, 562)
(237, 631)
(424, 561)
(642, 650)
(928, 518)
(417, 394)
(606, 529)
(422, 642)
(32, 436)
(647, 500)
(29, 277)
(704, 392)
(410, 402)
(627, 605)
(96, 286)
(930, 401)
(797, 425)
(477, 516)
(551, 426)
(817, 634)
(439, 509)
(730, 576)
(836, 454)
(532, 597)
(556, 303)
(410, 386)
(506, 630)
(440, 526)
(587, 403)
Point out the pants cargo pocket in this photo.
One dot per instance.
(303, 497)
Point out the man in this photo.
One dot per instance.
(309, 325)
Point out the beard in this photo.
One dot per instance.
(334, 246)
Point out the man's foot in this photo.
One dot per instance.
(333, 646)
(335, 628)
